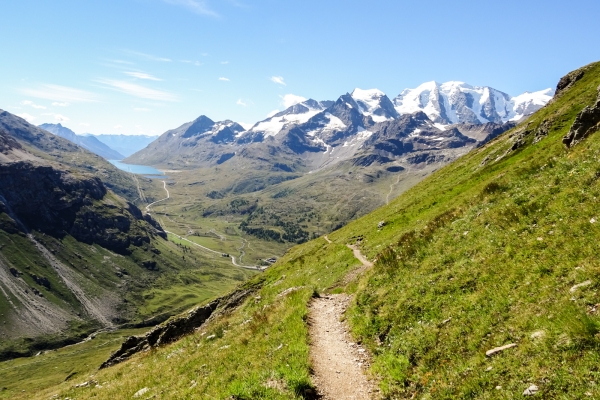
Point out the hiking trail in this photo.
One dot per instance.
(338, 363)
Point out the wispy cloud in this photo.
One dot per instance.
(269, 115)
(224, 79)
(289, 100)
(147, 56)
(200, 7)
(137, 90)
(118, 127)
(141, 109)
(242, 103)
(27, 117)
(121, 62)
(196, 63)
(278, 79)
(58, 104)
(84, 124)
(224, 62)
(32, 104)
(58, 117)
(142, 75)
(60, 94)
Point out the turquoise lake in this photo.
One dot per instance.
(149, 172)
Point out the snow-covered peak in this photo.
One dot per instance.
(528, 103)
(374, 103)
(458, 102)
(296, 114)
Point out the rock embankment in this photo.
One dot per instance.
(178, 326)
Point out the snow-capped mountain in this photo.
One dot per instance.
(321, 133)
(374, 103)
(294, 115)
(457, 102)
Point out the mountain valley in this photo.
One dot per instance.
(470, 218)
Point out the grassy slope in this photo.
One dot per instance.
(476, 256)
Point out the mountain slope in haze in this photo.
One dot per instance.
(126, 144)
(193, 143)
(485, 283)
(90, 143)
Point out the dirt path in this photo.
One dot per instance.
(387, 198)
(338, 363)
(158, 201)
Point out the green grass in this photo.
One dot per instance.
(26, 377)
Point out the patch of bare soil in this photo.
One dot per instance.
(339, 364)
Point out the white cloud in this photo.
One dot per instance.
(197, 6)
(58, 117)
(118, 127)
(224, 62)
(148, 56)
(57, 104)
(291, 99)
(269, 115)
(32, 104)
(142, 75)
(138, 90)
(224, 79)
(60, 94)
(278, 80)
(27, 117)
(240, 102)
(246, 125)
(121, 62)
(141, 109)
(84, 124)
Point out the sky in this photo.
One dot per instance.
(146, 66)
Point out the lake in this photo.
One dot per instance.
(145, 170)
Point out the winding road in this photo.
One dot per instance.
(233, 260)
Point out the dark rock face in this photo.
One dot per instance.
(59, 203)
(415, 132)
(7, 142)
(295, 139)
(586, 122)
(567, 81)
(199, 126)
(177, 327)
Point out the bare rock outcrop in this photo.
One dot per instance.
(178, 326)
(586, 123)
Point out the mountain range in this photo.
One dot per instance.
(88, 142)
(315, 134)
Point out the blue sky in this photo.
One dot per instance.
(145, 66)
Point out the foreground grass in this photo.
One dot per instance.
(258, 352)
(27, 377)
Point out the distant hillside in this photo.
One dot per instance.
(485, 283)
(74, 255)
(126, 144)
(90, 143)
